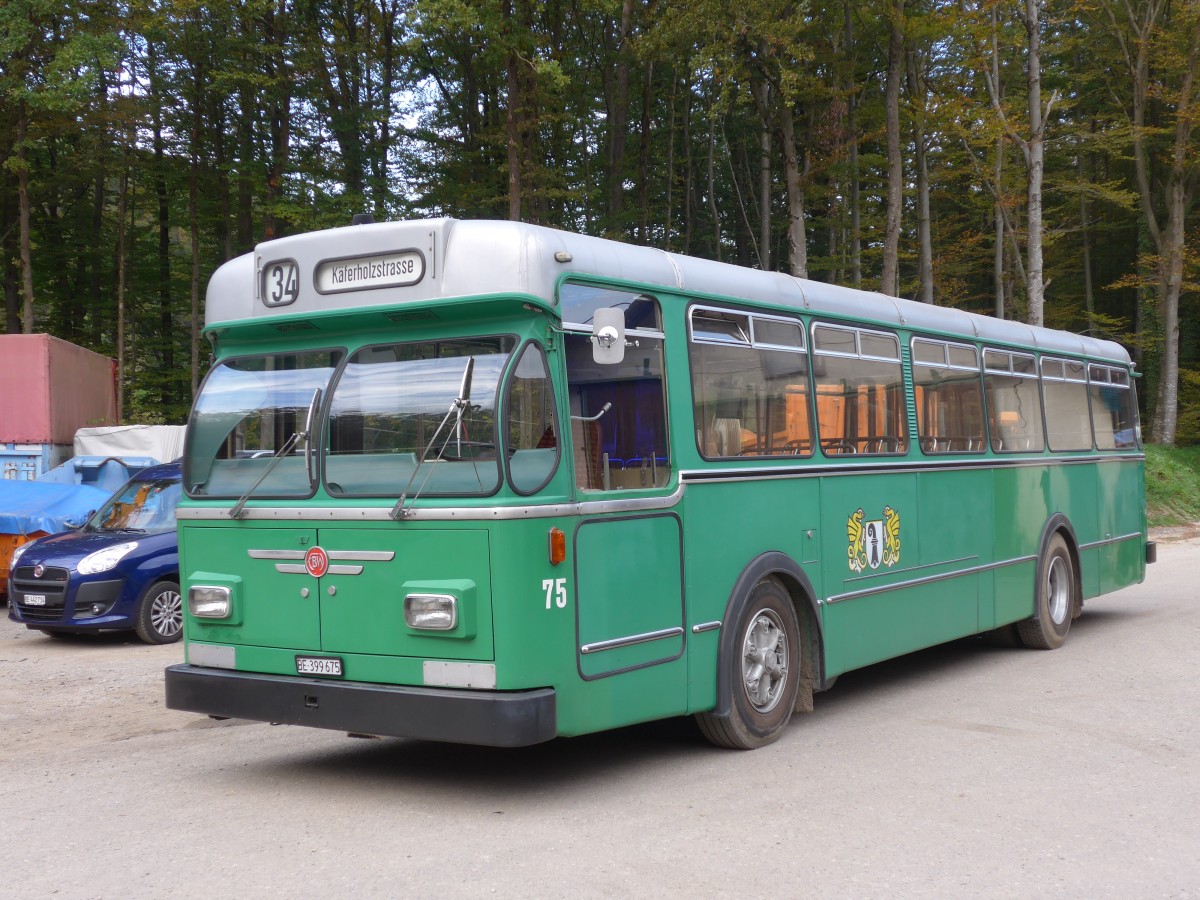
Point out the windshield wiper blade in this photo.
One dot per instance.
(457, 407)
(283, 451)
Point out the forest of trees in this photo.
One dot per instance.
(1035, 159)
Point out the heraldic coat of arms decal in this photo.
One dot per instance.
(873, 543)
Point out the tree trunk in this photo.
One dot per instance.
(644, 158)
(122, 201)
(998, 230)
(24, 236)
(512, 117)
(890, 278)
(1036, 166)
(619, 123)
(852, 127)
(712, 187)
(764, 198)
(918, 93)
(797, 238)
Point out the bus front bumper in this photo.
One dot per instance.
(490, 718)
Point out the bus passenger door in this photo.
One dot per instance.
(629, 585)
(628, 562)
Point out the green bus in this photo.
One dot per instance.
(493, 483)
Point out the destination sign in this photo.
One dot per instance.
(360, 273)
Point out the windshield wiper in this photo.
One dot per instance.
(283, 451)
(460, 405)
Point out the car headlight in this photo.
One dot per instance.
(16, 554)
(103, 560)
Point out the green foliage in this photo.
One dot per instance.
(642, 120)
(1172, 484)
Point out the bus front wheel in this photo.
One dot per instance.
(1054, 599)
(765, 672)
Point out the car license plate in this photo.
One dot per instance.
(35, 599)
(318, 665)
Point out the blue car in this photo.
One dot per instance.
(119, 571)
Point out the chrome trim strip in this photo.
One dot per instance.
(275, 554)
(363, 555)
(299, 569)
(873, 576)
(632, 639)
(813, 467)
(1134, 536)
(929, 579)
(705, 626)
(456, 514)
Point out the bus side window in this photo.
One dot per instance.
(750, 385)
(861, 407)
(1014, 404)
(1064, 391)
(532, 432)
(948, 396)
(618, 410)
(1114, 408)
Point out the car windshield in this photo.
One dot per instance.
(248, 411)
(140, 506)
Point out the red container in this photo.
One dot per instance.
(50, 388)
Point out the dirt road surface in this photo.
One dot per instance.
(962, 771)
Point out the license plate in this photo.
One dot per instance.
(35, 599)
(318, 665)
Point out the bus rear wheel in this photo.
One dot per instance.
(765, 672)
(1055, 599)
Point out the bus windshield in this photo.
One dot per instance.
(389, 427)
(247, 412)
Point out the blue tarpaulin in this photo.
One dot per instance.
(29, 506)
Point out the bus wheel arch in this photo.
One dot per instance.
(772, 597)
(1058, 594)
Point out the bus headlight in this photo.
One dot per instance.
(431, 612)
(209, 602)
(103, 560)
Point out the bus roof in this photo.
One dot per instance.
(395, 263)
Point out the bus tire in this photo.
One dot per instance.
(1054, 599)
(765, 672)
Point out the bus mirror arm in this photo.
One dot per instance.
(605, 408)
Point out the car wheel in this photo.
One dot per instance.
(160, 614)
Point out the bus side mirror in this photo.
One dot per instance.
(608, 336)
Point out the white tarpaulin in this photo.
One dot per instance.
(163, 442)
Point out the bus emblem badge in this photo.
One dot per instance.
(316, 562)
(873, 543)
